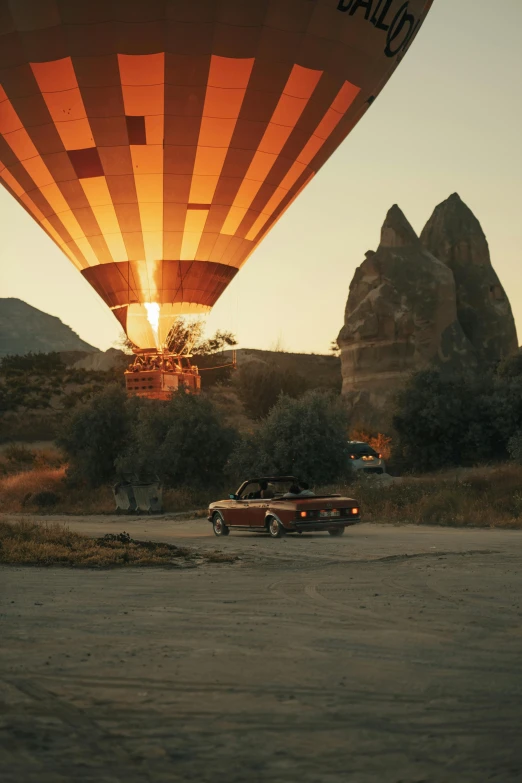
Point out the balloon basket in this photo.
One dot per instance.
(157, 376)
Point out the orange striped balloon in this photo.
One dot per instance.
(157, 141)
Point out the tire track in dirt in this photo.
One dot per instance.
(97, 740)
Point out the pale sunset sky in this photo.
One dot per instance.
(449, 120)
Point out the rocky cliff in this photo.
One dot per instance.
(454, 235)
(24, 328)
(405, 307)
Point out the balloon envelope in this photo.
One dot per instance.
(157, 141)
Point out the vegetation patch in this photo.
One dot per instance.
(459, 420)
(16, 458)
(33, 543)
(474, 497)
(46, 491)
(489, 496)
(304, 437)
(36, 389)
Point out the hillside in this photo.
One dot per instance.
(46, 369)
(323, 370)
(24, 328)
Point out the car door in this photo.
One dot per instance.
(257, 513)
(227, 511)
(239, 509)
(240, 512)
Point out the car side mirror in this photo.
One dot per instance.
(232, 497)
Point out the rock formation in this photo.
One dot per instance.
(404, 309)
(24, 328)
(103, 361)
(454, 235)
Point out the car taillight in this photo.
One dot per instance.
(352, 456)
(355, 512)
(303, 514)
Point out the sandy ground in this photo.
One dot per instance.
(393, 654)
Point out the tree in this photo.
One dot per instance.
(443, 422)
(95, 434)
(220, 342)
(511, 366)
(182, 441)
(506, 405)
(50, 363)
(186, 338)
(260, 384)
(515, 447)
(335, 348)
(305, 437)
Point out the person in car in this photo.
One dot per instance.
(293, 491)
(254, 495)
(265, 492)
(305, 492)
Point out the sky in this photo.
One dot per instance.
(448, 121)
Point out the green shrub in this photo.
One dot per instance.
(510, 367)
(305, 437)
(45, 499)
(515, 447)
(183, 442)
(443, 422)
(260, 384)
(95, 434)
(48, 363)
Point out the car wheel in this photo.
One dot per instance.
(337, 531)
(275, 528)
(218, 526)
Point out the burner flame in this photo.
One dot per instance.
(153, 317)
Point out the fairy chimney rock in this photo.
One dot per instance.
(401, 316)
(454, 236)
(433, 301)
(396, 231)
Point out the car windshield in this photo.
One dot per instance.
(362, 449)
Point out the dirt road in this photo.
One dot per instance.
(390, 655)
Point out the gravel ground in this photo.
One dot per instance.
(391, 655)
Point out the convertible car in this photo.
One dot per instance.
(279, 505)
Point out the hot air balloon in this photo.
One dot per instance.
(158, 141)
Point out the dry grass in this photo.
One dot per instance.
(16, 457)
(17, 489)
(187, 499)
(44, 490)
(474, 497)
(33, 543)
(479, 497)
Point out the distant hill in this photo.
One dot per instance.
(322, 369)
(103, 361)
(24, 328)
